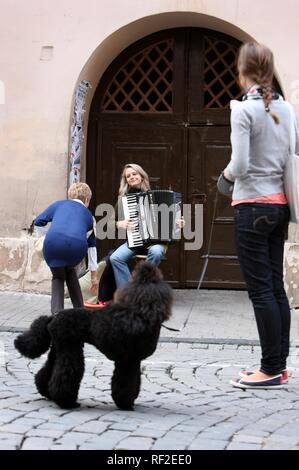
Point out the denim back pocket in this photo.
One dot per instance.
(264, 219)
(257, 218)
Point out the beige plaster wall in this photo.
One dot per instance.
(47, 47)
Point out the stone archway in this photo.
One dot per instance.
(222, 254)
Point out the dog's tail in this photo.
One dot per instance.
(36, 341)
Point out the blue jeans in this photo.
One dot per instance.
(260, 231)
(121, 256)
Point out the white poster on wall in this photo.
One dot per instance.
(77, 135)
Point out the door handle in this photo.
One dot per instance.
(198, 198)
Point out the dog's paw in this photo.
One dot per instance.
(67, 405)
(125, 406)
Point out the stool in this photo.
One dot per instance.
(145, 256)
(138, 258)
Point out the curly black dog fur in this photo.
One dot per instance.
(126, 331)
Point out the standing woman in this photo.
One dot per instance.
(133, 180)
(260, 146)
(67, 242)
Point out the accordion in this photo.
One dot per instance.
(154, 214)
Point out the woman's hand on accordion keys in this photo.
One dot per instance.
(181, 222)
(126, 224)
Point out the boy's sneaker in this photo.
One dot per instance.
(246, 373)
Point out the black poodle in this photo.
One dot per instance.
(126, 331)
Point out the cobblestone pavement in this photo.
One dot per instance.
(185, 402)
(208, 315)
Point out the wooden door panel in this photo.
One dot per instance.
(212, 71)
(145, 110)
(223, 273)
(224, 244)
(208, 153)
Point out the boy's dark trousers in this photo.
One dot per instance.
(69, 276)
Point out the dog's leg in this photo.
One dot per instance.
(66, 376)
(44, 374)
(125, 384)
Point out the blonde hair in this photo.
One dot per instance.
(79, 191)
(256, 62)
(124, 187)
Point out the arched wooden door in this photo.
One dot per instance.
(164, 104)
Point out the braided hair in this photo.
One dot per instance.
(256, 62)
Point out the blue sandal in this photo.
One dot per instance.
(274, 382)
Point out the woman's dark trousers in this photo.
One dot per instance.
(260, 231)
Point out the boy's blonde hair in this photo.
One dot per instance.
(79, 191)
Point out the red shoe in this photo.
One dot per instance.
(246, 373)
(96, 306)
(90, 305)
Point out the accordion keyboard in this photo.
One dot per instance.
(130, 203)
